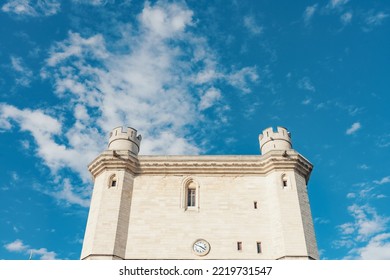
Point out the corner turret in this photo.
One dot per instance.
(121, 139)
(275, 140)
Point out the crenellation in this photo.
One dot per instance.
(271, 140)
(125, 139)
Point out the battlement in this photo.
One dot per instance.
(275, 140)
(124, 139)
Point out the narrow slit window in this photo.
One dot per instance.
(258, 246)
(284, 181)
(255, 204)
(113, 181)
(191, 197)
(239, 246)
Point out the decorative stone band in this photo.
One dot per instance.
(186, 165)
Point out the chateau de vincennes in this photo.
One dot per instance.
(200, 207)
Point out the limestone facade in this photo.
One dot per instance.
(238, 207)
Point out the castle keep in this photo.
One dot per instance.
(200, 207)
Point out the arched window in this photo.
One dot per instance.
(285, 181)
(191, 194)
(113, 182)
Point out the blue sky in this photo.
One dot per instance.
(193, 77)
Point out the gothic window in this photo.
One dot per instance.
(285, 181)
(113, 182)
(191, 194)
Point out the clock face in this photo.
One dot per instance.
(201, 247)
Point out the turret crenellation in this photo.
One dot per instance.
(275, 140)
(125, 139)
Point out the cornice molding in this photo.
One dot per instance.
(202, 164)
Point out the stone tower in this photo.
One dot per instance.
(200, 207)
(275, 140)
(113, 172)
(295, 218)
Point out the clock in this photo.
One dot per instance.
(201, 247)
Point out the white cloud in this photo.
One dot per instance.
(334, 4)
(165, 20)
(375, 19)
(149, 78)
(67, 193)
(24, 74)
(351, 195)
(154, 76)
(320, 220)
(384, 180)
(367, 221)
(347, 228)
(94, 2)
(366, 234)
(309, 13)
(242, 78)
(355, 127)
(18, 247)
(346, 18)
(19, 7)
(364, 167)
(45, 129)
(306, 84)
(306, 101)
(252, 26)
(32, 8)
(378, 248)
(209, 98)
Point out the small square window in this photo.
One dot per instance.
(113, 183)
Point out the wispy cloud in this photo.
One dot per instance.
(45, 128)
(377, 249)
(354, 128)
(151, 76)
(306, 84)
(367, 222)
(95, 2)
(309, 13)
(306, 101)
(384, 180)
(346, 18)
(32, 8)
(24, 74)
(319, 220)
(364, 234)
(18, 247)
(253, 27)
(336, 4)
(374, 19)
(209, 98)
(364, 167)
